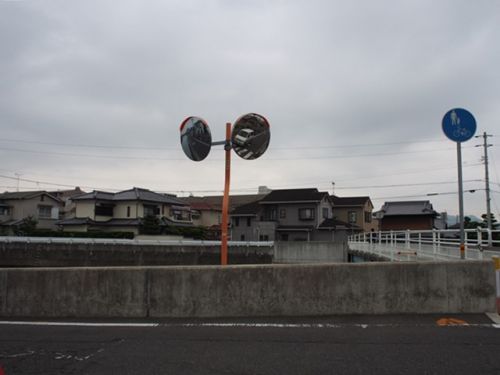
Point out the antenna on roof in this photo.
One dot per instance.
(333, 188)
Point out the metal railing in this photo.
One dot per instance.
(413, 245)
(137, 242)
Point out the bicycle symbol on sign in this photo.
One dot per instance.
(459, 131)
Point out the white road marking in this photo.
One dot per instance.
(244, 325)
(78, 324)
(495, 318)
(31, 352)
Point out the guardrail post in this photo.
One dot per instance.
(438, 243)
(490, 237)
(480, 242)
(496, 260)
(419, 242)
(466, 243)
(434, 244)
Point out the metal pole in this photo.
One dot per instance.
(225, 199)
(461, 200)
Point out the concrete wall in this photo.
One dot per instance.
(310, 252)
(245, 291)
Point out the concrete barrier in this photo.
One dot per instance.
(67, 254)
(246, 291)
(310, 252)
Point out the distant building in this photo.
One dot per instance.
(357, 211)
(413, 215)
(124, 211)
(207, 211)
(288, 215)
(69, 207)
(17, 206)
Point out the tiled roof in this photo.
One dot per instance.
(18, 195)
(294, 228)
(337, 224)
(131, 195)
(407, 208)
(94, 195)
(75, 221)
(249, 209)
(349, 201)
(294, 195)
(214, 202)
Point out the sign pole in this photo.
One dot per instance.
(459, 125)
(225, 199)
(461, 200)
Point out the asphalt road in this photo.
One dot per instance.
(335, 345)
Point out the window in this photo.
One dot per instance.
(249, 221)
(270, 214)
(45, 212)
(179, 215)
(150, 210)
(242, 237)
(368, 217)
(352, 217)
(195, 214)
(42, 198)
(4, 211)
(263, 237)
(104, 210)
(236, 221)
(306, 213)
(128, 211)
(326, 213)
(284, 237)
(282, 213)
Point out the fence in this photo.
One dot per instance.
(435, 244)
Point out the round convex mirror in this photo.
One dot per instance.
(196, 139)
(250, 136)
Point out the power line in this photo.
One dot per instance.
(402, 185)
(425, 195)
(122, 157)
(121, 147)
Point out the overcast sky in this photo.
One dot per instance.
(92, 94)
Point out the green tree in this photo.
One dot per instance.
(27, 227)
(150, 224)
(469, 224)
(494, 223)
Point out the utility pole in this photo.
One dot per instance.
(18, 175)
(485, 145)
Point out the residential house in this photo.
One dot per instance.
(124, 211)
(69, 207)
(413, 215)
(17, 206)
(207, 211)
(357, 211)
(288, 215)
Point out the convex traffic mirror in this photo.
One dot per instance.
(196, 139)
(250, 136)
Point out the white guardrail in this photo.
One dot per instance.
(412, 245)
(108, 241)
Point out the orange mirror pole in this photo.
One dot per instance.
(225, 199)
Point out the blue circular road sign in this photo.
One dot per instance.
(459, 125)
